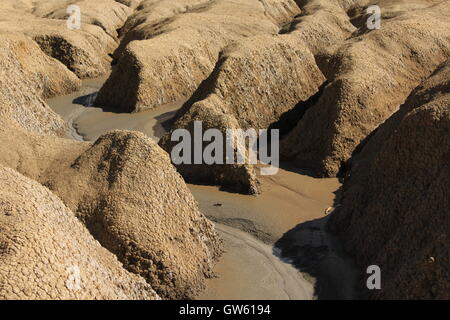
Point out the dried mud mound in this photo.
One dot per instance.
(130, 197)
(133, 201)
(395, 208)
(257, 80)
(44, 248)
(84, 51)
(322, 26)
(27, 76)
(370, 75)
(254, 83)
(150, 221)
(168, 59)
(262, 82)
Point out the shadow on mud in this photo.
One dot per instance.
(86, 100)
(318, 255)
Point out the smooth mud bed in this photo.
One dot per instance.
(275, 243)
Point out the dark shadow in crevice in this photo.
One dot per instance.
(319, 255)
(289, 119)
(165, 120)
(346, 166)
(86, 100)
(202, 91)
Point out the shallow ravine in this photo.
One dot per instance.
(287, 199)
(287, 219)
(251, 226)
(88, 122)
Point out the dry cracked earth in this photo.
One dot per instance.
(92, 207)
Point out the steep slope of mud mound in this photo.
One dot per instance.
(322, 26)
(176, 55)
(280, 12)
(84, 51)
(254, 83)
(371, 75)
(395, 207)
(154, 228)
(27, 76)
(125, 194)
(130, 197)
(46, 253)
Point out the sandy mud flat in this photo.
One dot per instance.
(275, 243)
(288, 198)
(250, 270)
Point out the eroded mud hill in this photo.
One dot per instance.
(84, 51)
(177, 44)
(395, 208)
(127, 194)
(42, 244)
(123, 189)
(370, 74)
(255, 82)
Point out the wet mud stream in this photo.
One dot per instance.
(88, 122)
(275, 243)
